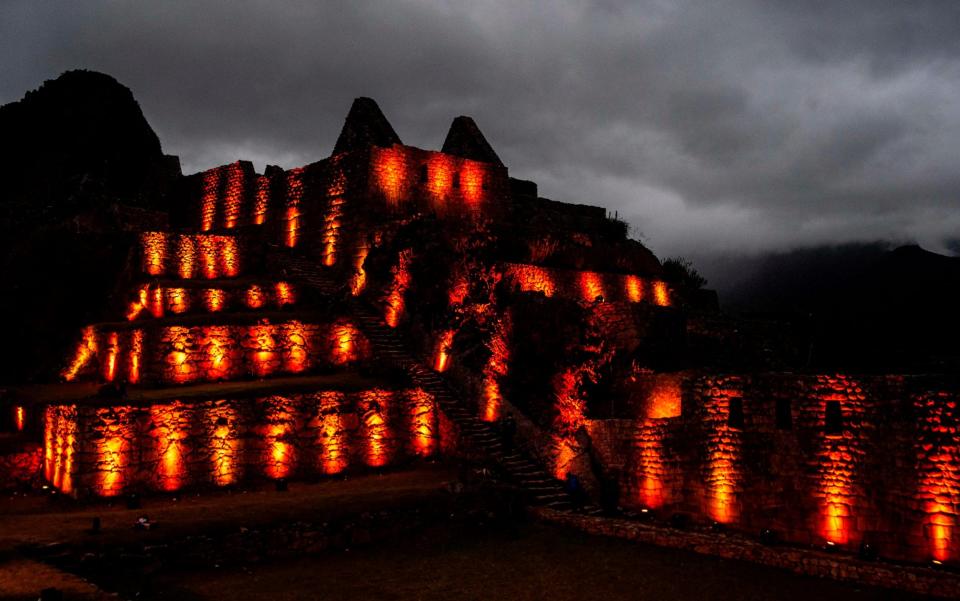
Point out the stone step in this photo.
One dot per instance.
(533, 481)
(388, 345)
(489, 442)
(529, 473)
(479, 433)
(526, 468)
(551, 496)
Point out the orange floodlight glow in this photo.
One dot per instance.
(661, 295)
(398, 288)
(297, 356)
(186, 256)
(219, 363)
(444, 345)
(233, 196)
(179, 369)
(113, 450)
(135, 357)
(634, 286)
(650, 459)
(137, 306)
(838, 464)
(440, 169)
(345, 336)
(423, 419)
(591, 286)
(169, 432)
(939, 482)
(472, 181)
(262, 201)
(228, 256)
(334, 453)
(294, 195)
(86, 349)
(389, 170)
(281, 455)
(563, 457)
(19, 418)
(497, 367)
(724, 444)
(285, 294)
(359, 279)
(110, 362)
(208, 204)
(533, 279)
(214, 299)
(208, 255)
(154, 252)
(224, 445)
(59, 438)
(374, 407)
(155, 301)
(665, 398)
(177, 300)
(256, 298)
(293, 226)
(264, 358)
(331, 231)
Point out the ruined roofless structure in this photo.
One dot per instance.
(390, 302)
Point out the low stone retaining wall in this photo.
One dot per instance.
(22, 467)
(108, 450)
(810, 562)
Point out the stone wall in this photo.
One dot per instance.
(588, 285)
(326, 206)
(812, 562)
(113, 449)
(20, 467)
(827, 460)
(223, 197)
(157, 300)
(404, 176)
(171, 353)
(189, 256)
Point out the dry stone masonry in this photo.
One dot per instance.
(532, 309)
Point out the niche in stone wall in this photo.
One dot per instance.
(833, 423)
(784, 415)
(735, 413)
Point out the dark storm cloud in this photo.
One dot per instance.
(735, 126)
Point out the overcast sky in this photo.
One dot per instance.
(711, 126)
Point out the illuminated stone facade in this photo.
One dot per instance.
(532, 308)
(110, 449)
(824, 460)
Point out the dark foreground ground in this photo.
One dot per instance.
(459, 549)
(535, 562)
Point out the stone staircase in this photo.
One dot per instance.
(543, 489)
